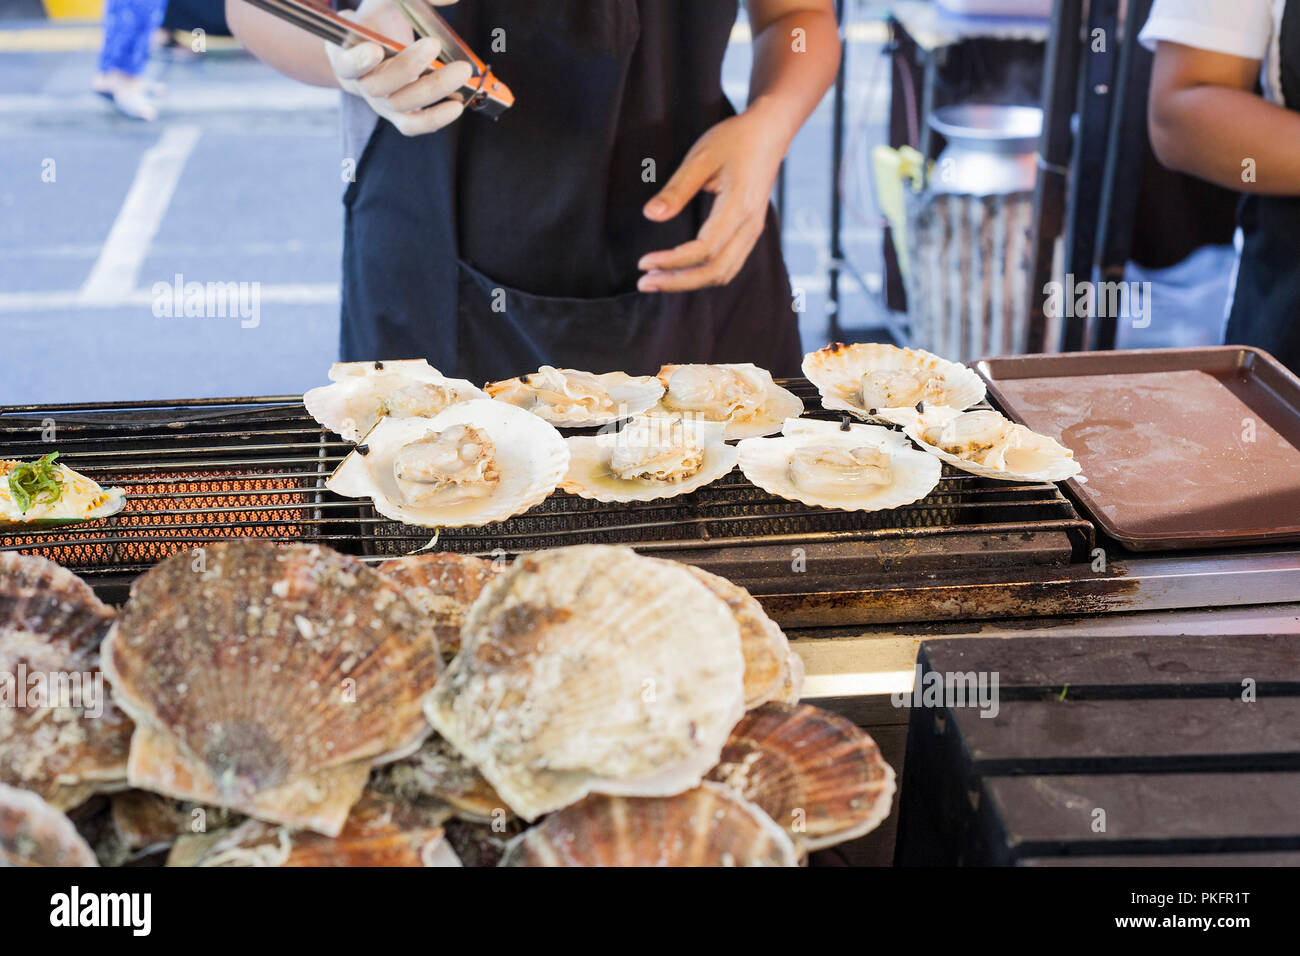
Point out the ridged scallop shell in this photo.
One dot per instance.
(589, 473)
(33, 833)
(598, 399)
(51, 627)
(269, 679)
(591, 669)
(359, 397)
(763, 643)
(813, 772)
(792, 674)
(378, 832)
(837, 371)
(529, 454)
(442, 586)
(766, 463)
(1039, 459)
(706, 826)
(775, 406)
(438, 773)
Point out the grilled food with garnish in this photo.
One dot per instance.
(44, 492)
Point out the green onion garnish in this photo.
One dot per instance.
(39, 482)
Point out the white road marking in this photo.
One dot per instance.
(114, 274)
(289, 294)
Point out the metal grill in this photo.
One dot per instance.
(201, 471)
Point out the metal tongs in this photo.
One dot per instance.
(482, 92)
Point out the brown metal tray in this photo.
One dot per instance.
(1182, 448)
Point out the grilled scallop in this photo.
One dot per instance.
(269, 679)
(813, 772)
(649, 459)
(378, 832)
(591, 669)
(866, 376)
(362, 393)
(33, 833)
(985, 443)
(61, 735)
(744, 398)
(572, 399)
(476, 463)
(706, 826)
(442, 586)
(854, 468)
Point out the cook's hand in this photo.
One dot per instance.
(738, 161)
(394, 88)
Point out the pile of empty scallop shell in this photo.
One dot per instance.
(256, 704)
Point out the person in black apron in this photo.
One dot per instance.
(1209, 119)
(492, 248)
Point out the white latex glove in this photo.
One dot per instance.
(394, 88)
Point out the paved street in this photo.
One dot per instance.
(239, 182)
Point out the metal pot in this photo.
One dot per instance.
(991, 150)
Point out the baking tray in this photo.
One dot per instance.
(1182, 448)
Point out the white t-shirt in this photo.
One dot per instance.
(1245, 28)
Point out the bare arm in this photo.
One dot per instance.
(293, 52)
(1206, 120)
(796, 55)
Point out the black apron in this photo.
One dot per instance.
(493, 248)
(1266, 306)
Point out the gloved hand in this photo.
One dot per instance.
(394, 88)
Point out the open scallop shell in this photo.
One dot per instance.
(378, 832)
(590, 668)
(269, 679)
(61, 735)
(813, 772)
(763, 643)
(442, 586)
(572, 399)
(33, 833)
(81, 499)
(365, 392)
(766, 462)
(706, 826)
(743, 397)
(905, 377)
(590, 475)
(529, 456)
(438, 773)
(1035, 457)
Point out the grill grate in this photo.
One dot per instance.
(207, 470)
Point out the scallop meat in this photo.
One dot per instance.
(573, 399)
(650, 458)
(363, 393)
(476, 463)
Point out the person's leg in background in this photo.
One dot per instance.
(129, 26)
